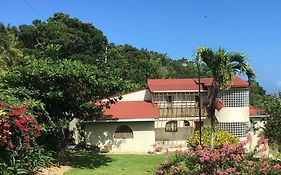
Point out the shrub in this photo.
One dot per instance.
(230, 159)
(221, 138)
(19, 152)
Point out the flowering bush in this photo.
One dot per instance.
(222, 137)
(19, 153)
(18, 130)
(230, 159)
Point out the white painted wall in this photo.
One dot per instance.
(233, 114)
(101, 134)
(140, 95)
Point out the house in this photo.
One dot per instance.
(166, 113)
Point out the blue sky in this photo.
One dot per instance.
(177, 28)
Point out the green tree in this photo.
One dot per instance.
(69, 89)
(78, 40)
(223, 66)
(257, 94)
(9, 53)
(272, 106)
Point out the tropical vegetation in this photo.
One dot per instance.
(56, 70)
(230, 159)
(223, 66)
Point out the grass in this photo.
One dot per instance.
(85, 163)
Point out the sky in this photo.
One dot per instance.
(175, 27)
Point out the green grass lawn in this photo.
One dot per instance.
(85, 163)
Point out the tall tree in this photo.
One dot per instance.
(9, 52)
(223, 66)
(257, 94)
(78, 40)
(272, 106)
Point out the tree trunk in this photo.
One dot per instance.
(212, 135)
(211, 112)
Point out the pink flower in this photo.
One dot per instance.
(250, 163)
(262, 140)
(249, 137)
(277, 167)
(231, 170)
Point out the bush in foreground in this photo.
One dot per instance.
(221, 138)
(230, 159)
(19, 152)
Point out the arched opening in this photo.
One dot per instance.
(123, 132)
(171, 126)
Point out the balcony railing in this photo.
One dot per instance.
(174, 111)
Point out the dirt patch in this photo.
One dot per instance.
(55, 170)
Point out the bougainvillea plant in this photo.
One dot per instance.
(228, 160)
(18, 124)
(17, 128)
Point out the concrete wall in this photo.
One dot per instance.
(233, 114)
(182, 134)
(101, 134)
(175, 139)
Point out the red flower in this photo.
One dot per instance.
(15, 113)
(26, 139)
(22, 109)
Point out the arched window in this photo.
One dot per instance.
(171, 126)
(123, 132)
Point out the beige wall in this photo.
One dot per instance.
(233, 114)
(141, 95)
(101, 134)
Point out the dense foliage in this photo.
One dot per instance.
(230, 159)
(257, 94)
(56, 70)
(19, 128)
(222, 137)
(272, 106)
(77, 40)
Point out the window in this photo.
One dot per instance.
(196, 98)
(186, 123)
(123, 132)
(236, 128)
(235, 97)
(169, 99)
(171, 126)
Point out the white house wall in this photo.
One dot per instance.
(233, 114)
(101, 134)
(141, 95)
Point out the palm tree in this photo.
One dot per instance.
(223, 66)
(8, 51)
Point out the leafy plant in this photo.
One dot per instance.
(228, 160)
(222, 137)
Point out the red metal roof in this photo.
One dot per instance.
(188, 84)
(254, 111)
(236, 82)
(132, 110)
(171, 84)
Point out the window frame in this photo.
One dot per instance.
(123, 132)
(171, 126)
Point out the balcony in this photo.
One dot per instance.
(180, 111)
